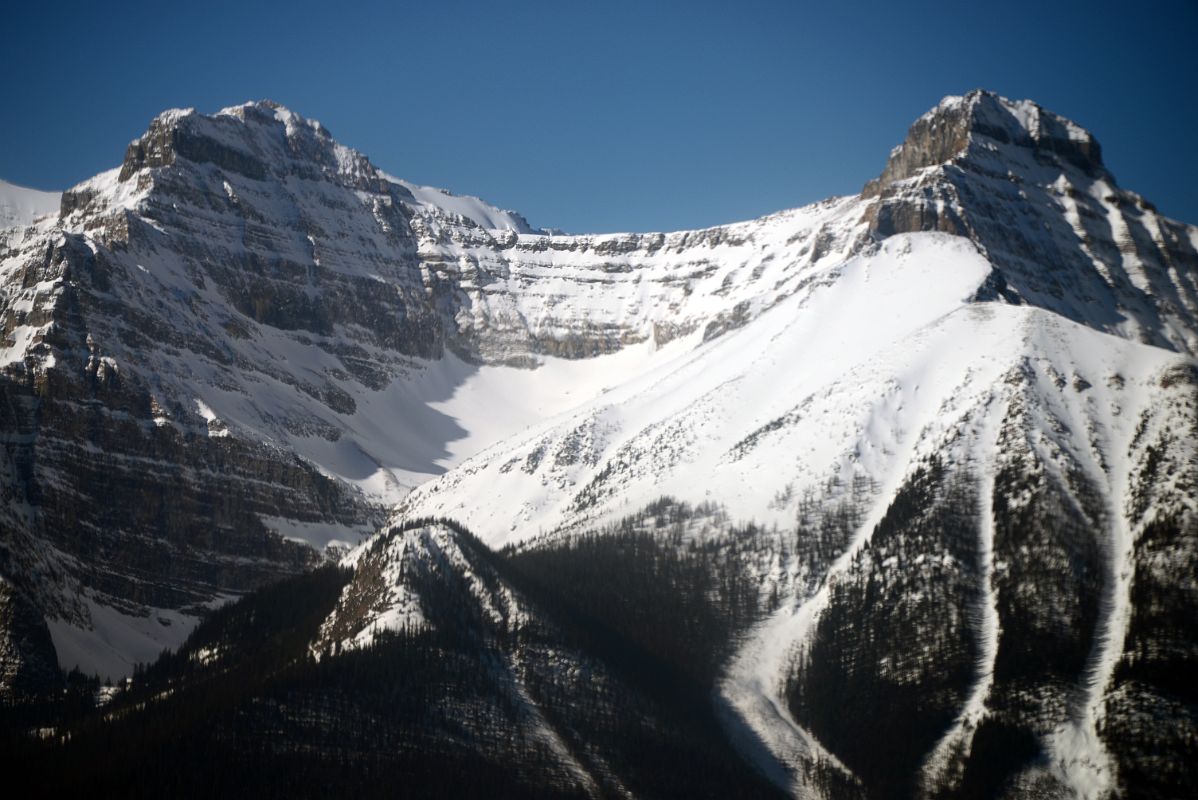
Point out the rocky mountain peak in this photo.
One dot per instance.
(251, 140)
(981, 123)
(1029, 188)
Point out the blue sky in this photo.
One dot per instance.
(608, 115)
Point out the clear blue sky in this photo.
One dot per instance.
(606, 115)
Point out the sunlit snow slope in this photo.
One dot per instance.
(21, 206)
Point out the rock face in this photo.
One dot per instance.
(26, 651)
(946, 133)
(944, 433)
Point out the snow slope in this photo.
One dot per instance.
(466, 207)
(21, 206)
(798, 391)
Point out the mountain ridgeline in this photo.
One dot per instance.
(346, 483)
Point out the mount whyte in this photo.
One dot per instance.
(905, 481)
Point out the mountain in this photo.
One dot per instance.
(484, 690)
(1002, 359)
(247, 340)
(904, 481)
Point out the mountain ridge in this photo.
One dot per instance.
(962, 392)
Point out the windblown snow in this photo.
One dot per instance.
(21, 206)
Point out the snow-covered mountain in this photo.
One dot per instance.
(248, 301)
(1035, 366)
(946, 431)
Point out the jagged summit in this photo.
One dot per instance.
(981, 122)
(266, 109)
(265, 141)
(252, 139)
